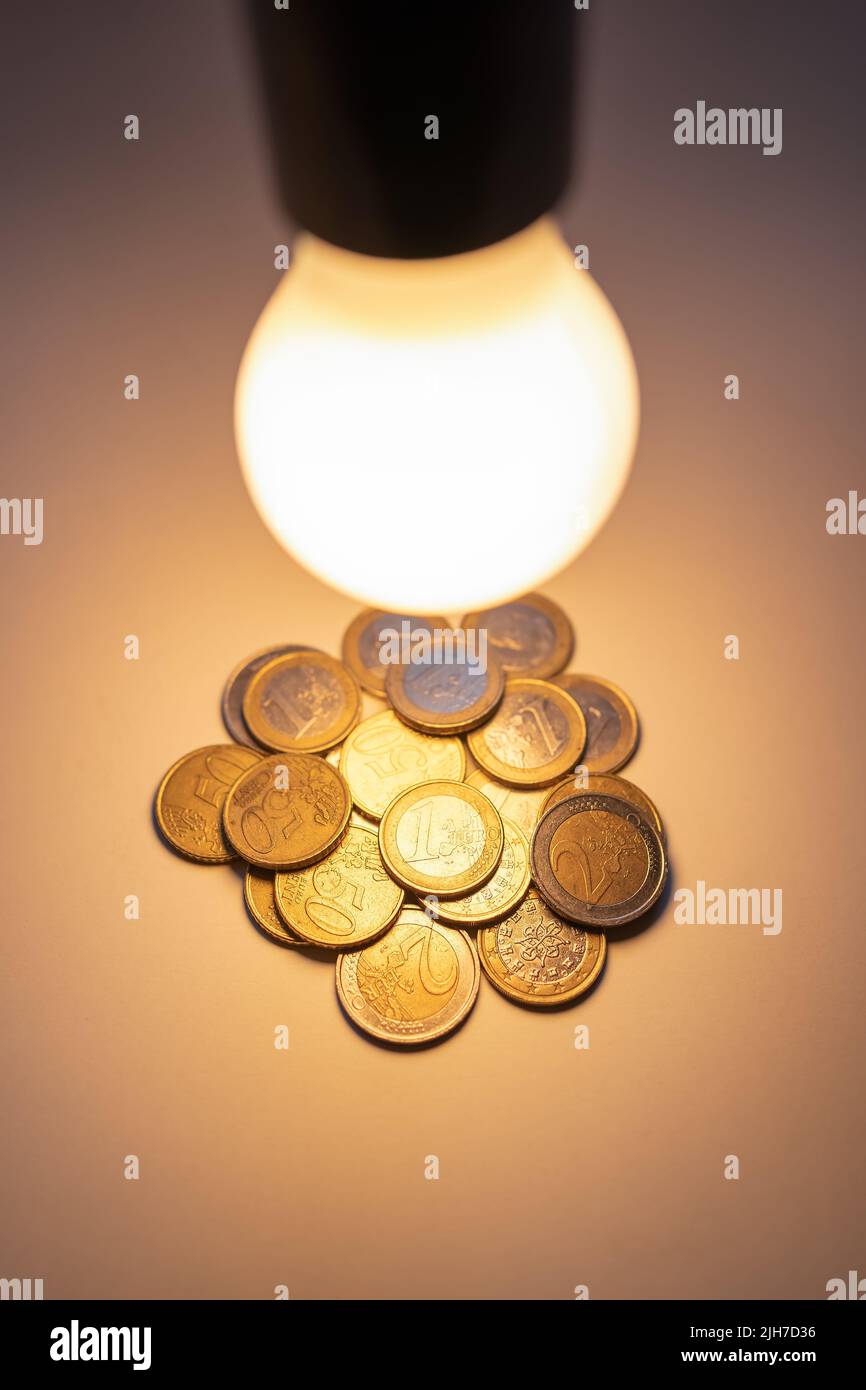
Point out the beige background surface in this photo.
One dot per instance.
(558, 1167)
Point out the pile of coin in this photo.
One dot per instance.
(442, 803)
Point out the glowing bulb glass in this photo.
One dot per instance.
(438, 435)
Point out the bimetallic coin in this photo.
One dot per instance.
(534, 957)
(345, 900)
(448, 687)
(287, 811)
(383, 757)
(536, 735)
(374, 634)
(303, 702)
(416, 984)
(236, 688)
(189, 800)
(520, 804)
(259, 898)
(501, 893)
(611, 720)
(443, 838)
(530, 637)
(598, 860)
(606, 784)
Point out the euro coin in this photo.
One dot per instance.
(501, 893)
(529, 637)
(345, 900)
(606, 784)
(302, 702)
(190, 797)
(287, 811)
(262, 907)
(449, 690)
(383, 756)
(611, 720)
(534, 738)
(357, 817)
(415, 984)
(374, 633)
(534, 957)
(520, 804)
(597, 860)
(443, 838)
(236, 688)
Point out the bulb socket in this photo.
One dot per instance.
(418, 130)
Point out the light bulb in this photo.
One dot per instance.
(437, 435)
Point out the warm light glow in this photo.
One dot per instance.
(437, 435)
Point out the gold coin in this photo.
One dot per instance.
(236, 688)
(534, 957)
(598, 860)
(415, 984)
(535, 736)
(611, 720)
(302, 702)
(369, 632)
(261, 905)
(443, 838)
(501, 893)
(357, 817)
(345, 900)
(383, 757)
(287, 811)
(520, 804)
(189, 800)
(530, 637)
(606, 784)
(446, 691)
